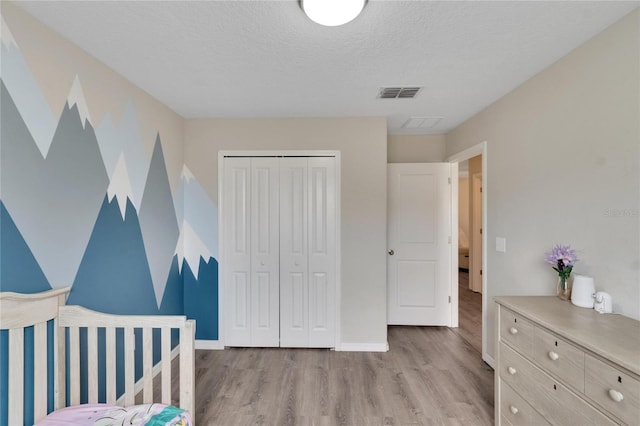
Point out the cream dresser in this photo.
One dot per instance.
(560, 364)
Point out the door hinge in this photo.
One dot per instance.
(480, 271)
(449, 299)
(449, 179)
(449, 239)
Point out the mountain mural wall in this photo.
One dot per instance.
(87, 207)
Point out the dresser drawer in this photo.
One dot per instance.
(559, 357)
(614, 390)
(516, 330)
(555, 402)
(516, 410)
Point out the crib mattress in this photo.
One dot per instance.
(108, 415)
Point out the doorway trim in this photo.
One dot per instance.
(473, 151)
(222, 312)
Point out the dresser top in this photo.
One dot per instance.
(612, 336)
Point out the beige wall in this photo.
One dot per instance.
(362, 143)
(105, 91)
(416, 148)
(563, 155)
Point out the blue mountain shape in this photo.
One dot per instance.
(114, 274)
(19, 270)
(201, 298)
(173, 298)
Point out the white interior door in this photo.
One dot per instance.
(322, 252)
(294, 292)
(418, 235)
(307, 252)
(265, 252)
(251, 247)
(236, 204)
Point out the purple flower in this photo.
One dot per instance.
(562, 258)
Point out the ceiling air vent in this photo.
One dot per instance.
(421, 122)
(398, 92)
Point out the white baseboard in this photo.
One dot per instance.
(212, 345)
(489, 360)
(363, 347)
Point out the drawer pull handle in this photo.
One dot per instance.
(553, 355)
(512, 370)
(513, 330)
(615, 395)
(513, 409)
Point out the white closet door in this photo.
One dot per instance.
(265, 263)
(236, 205)
(307, 252)
(293, 253)
(322, 251)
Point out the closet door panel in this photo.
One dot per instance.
(293, 252)
(322, 251)
(265, 279)
(236, 243)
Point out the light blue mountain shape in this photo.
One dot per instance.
(201, 213)
(27, 96)
(54, 202)
(124, 137)
(158, 221)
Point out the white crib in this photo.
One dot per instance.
(21, 311)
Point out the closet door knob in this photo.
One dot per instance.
(513, 330)
(391, 252)
(512, 370)
(513, 409)
(553, 356)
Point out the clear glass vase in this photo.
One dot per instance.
(564, 288)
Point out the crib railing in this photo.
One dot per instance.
(51, 322)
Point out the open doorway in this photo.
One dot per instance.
(470, 252)
(470, 245)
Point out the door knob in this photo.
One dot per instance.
(391, 252)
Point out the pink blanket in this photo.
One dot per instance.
(111, 415)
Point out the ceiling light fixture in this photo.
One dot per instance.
(332, 13)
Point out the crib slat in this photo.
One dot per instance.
(40, 370)
(129, 366)
(74, 365)
(60, 385)
(187, 367)
(110, 348)
(92, 365)
(16, 378)
(165, 339)
(147, 361)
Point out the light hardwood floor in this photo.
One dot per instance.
(469, 313)
(430, 376)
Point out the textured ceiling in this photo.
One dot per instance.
(266, 59)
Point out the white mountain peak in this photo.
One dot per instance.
(76, 97)
(191, 248)
(5, 35)
(186, 174)
(120, 186)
